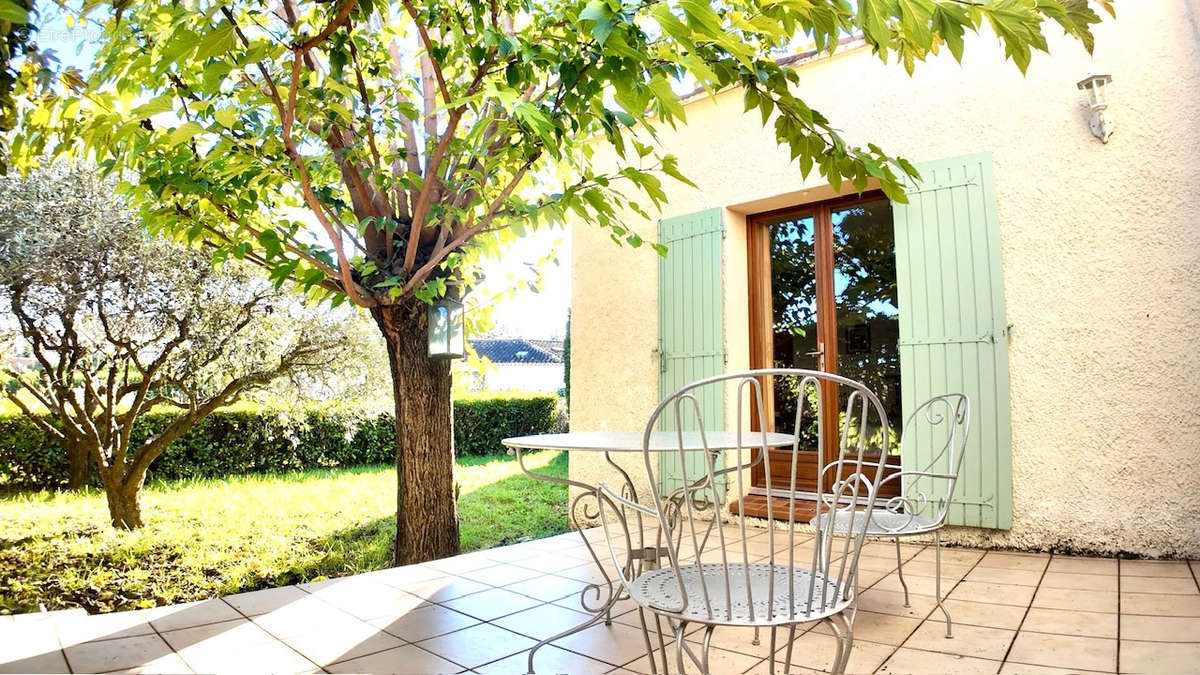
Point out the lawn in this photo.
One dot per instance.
(215, 537)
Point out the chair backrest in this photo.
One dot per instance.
(696, 525)
(934, 441)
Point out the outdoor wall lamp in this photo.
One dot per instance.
(446, 333)
(1101, 123)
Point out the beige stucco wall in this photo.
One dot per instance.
(1100, 246)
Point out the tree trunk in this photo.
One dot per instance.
(426, 511)
(79, 464)
(124, 505)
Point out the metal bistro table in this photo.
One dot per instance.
(638, 558)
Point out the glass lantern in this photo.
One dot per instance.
(446, 335)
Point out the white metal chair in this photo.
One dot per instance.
(935, 436)
(716, 576)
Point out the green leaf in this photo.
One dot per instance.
(12, 12)
(220, 41)
(184, 134)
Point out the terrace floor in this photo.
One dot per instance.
(480, 612)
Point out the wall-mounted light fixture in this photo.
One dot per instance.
(1101, 123)
(446, 333)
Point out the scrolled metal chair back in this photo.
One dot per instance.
(690, 516)
(935, 437)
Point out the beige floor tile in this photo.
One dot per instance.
(542, 621)
(477, 645)
(548, 588)
(885, 629)
(1159, 658)
(369, 600)
(916, 662)
(817, 650)
(491, 604)
(1071, 622)
(1170, 585)
(950, 572)
(1032, 562)
(446, 588)
(872, 563)
(719, 661)
(301, 615)
(548, 562)
(1156, 604)
(1004, 575)
(51, 661)
(741, 640)
(461, 564)
(1082, 565)
(324, 646)
(549, 659)
(401, 577)
(617, 644)
(28, 639)
(118, 654)
(1065, 651)
(223, 636)
(1080, 582)
(916, 584)
(1155, 568)
(1000, 594)
(1011, 668)
(192, 614)
(171, 664)
(423, 623)
(405, 660)
(77, 629)
(887, 602)
(1065, 598)
(1160, 628)
(511, 553)
(261, 602)
(503, 575)
(955, 556)
(977, 641)
(982, 614)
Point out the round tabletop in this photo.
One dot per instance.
(660, 441)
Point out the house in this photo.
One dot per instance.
(1047, 274)
(519, 364)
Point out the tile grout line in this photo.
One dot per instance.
(931, 610)
(273, 636)
(1025, 616)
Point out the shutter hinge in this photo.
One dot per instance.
(970, 183)
(986, 337)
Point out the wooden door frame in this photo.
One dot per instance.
(760, 304)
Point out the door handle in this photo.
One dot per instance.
(820, 354)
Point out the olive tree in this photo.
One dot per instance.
(415, 134)
(119, 323)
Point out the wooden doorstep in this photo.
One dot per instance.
(756, 506)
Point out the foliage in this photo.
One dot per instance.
(481, 421)
(567, 363)
(215, 537)
(253, 439)
(414, 135)
(119, 323)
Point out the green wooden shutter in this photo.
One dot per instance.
(691, 323)
(953, 330)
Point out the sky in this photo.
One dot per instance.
(539, 315)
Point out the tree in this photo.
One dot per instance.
(414, 135)
(120, 323)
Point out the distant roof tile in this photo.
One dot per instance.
(519, 350)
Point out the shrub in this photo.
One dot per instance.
(253, 440)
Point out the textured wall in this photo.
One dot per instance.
(1100, 246)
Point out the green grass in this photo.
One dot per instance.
(214, 537)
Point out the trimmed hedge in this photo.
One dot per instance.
(233, 442)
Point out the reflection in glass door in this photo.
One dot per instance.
(823, 280)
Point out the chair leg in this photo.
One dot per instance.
(679, 646)
(756, 642)
(937, 581)
(646, 637)
(708, 633)
(771, 658)
(900, 570)
(836, 667)
(662, 645)
(787, 660)
(849, 639)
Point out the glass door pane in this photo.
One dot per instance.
(868, 312)
(794, 315)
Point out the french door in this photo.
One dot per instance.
(823, 297)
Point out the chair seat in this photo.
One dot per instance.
(728, 602)
(883, 523)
